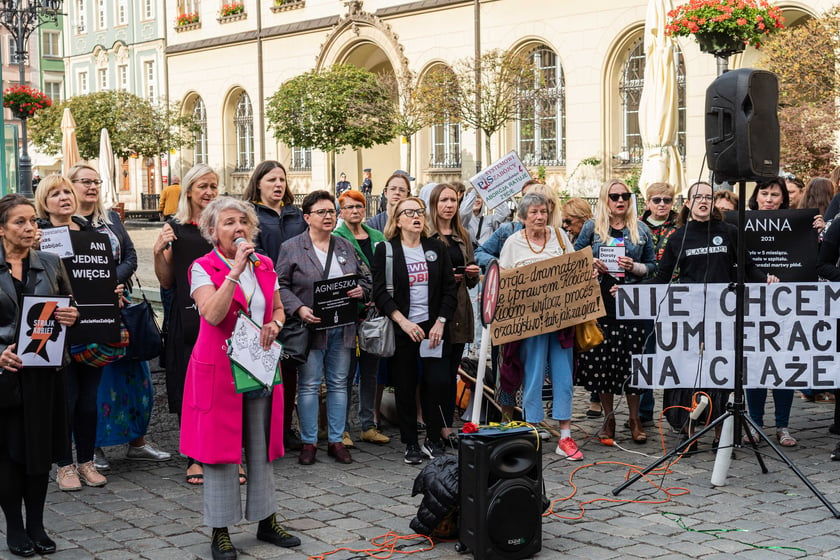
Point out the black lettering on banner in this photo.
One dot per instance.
(674, 300)
(770, 371)
(776, 295)
(798, 370)
(802, 299)
(661, 344)
(767, 332)
(689, 332)
(714, 363)
(818, 328)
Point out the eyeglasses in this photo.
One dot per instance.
(662, 200)
(702, 197)
(324, 212)
(353, 207)
(88, 182)
(625, 196)
(568, 221)
(414, 212)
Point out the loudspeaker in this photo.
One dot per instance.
(742, 125)
(501, 496)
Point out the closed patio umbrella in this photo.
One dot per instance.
(69, 148)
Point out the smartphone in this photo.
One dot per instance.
(459, 269)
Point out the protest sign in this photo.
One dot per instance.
(546, 296)
(609, 256)
(791, 334)
(57, 241)
(782, 242)
(40, 341)
(332, 304)
(501, 180)
(93, 277)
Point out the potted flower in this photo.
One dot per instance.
(24, 101)
(724, 27)
(232, 9)
(187, 19)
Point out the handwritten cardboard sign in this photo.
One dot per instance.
(546, 296)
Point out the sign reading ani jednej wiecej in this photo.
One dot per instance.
(791, 334)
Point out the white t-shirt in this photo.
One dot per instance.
(247, 283)
(516, 251)
(418, 281)
(335, 267)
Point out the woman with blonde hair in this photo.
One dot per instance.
(606, 368)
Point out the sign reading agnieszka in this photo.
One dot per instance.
(791, 334)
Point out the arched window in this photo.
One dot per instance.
(243, 123)
(445, 135)
(630, 94)
(541, 126)
(200, 136)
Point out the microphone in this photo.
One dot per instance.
(252, 257)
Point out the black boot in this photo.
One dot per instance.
(271, 531)
(221, 546)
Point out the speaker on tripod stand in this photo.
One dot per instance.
(501, 495)
(742, 125)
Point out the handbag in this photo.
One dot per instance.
(295, 336)
(588, 335)
(10, 396)
(99, 355)
(376, 332)
(139, 318)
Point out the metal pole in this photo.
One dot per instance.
(25, 185)
(477, 9)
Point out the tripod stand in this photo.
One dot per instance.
(737, 410)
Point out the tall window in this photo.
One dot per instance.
(189, 7)
(14, 57)
(541, 126)
(150, 81)
(630, 93)
(54, 89)
(200, 137)
(122, 12)
(446, 145)
(81, 16)
(243, 123)
(102, 78)
(148, 9)
(82, 83)
(122, 77)
(51, 44)
(301, 159)
(101, 15)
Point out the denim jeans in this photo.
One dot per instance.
(368, 366)
(332, 364)
(535, 352)
(783, 399)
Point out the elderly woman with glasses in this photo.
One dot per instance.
(315, 255)
(606, 368)
(421, 300)
(216, 421)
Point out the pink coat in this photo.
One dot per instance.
(211, 418)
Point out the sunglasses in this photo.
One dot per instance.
(568, 221)
(615, 197)
(662, 200)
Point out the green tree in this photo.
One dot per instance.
(332, 109)
(496, 80)
(805, 57)
(134, 125)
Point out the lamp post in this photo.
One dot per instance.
(21, 18)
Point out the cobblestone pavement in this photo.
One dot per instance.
(147, 510)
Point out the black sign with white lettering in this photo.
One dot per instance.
(782, 242)
(332, 304)
(93, 277)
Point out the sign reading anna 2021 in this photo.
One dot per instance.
(791, 334)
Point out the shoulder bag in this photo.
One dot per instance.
(376, 332)
(139, 318)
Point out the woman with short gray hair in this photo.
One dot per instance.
(216, 421)
(535, 242)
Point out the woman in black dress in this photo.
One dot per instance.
(33, 430)
(178, 245)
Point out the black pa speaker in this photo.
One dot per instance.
(742, 125)
(501, 491)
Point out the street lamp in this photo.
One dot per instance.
(21, 18)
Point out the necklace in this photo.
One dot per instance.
(545, 243)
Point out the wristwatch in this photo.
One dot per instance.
(442, 320)
(279, 324)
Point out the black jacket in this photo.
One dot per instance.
(276, 228)
(438, 482)
(442, 291)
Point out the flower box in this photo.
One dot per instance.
(286, 5)
(24, 101)
(724, 27)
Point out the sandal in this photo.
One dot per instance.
(195, 478)
(243, 478)
(784, 437)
